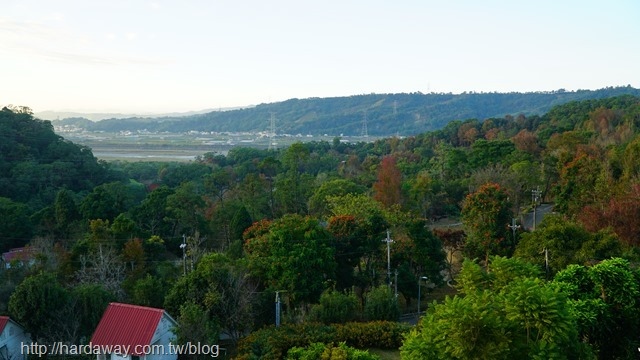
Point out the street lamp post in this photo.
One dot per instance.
(419, 292)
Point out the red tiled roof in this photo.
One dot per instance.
(127, 325)
(3, 322)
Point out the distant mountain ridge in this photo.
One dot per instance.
(373, 114)
(57, 115)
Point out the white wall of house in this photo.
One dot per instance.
(120, 357)
(11, 340)
(164, 336)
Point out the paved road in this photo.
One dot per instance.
(541, 211)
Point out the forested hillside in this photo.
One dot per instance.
(35, 164)
(334, 228)
(386, 114)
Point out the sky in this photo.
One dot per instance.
(186, 55)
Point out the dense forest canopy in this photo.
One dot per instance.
(386, 114)
(314, 221)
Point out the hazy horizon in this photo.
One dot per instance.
(160, 56)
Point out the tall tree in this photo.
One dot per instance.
(387, 190)
(65, 211)
(15, 227)
(222, 293)
(36, 304)
(565, 242)
(485, 215)
(151, 215)
(507, 313)
(185, 208)
(295, 254)
(605, 298)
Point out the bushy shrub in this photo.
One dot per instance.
(335, 307)
(320, 351)
(374, 334)
(273, 343)
(381, 304)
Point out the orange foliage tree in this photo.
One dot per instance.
(621, 213)
(387, 190)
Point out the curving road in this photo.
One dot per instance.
(541, 211)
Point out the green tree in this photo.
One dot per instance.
(221, 290)
(505, 313)
(577, 180)
(185, 208)
(294, 186)
(109, 200)
(422, 194)
(381, 304)
(293, 254)
(90, 302)
(335, 307)
(426, 252)
(240, 221)
(255, 192)
(605, 300)
(15, 227)
(196, 326)
(148, 291)
(336, 187)
(151, 215)
(358, 225)
(485, 215)
(37, 304)
(566, 242)
(65, 212)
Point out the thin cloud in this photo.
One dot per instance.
(52, 43)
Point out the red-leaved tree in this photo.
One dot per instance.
(387, 188)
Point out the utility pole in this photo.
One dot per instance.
(183, 246)
(278, 307)
(535, 196)
(396, 283)
(419, 294)
(513, 228)
(388, 241)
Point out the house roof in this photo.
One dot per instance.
(3, 322)
(127, 325)
(21, 254)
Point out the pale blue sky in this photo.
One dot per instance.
(161, 55)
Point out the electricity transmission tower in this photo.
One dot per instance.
(365, 131)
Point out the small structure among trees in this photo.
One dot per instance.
(12, 336)
(137, 331)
